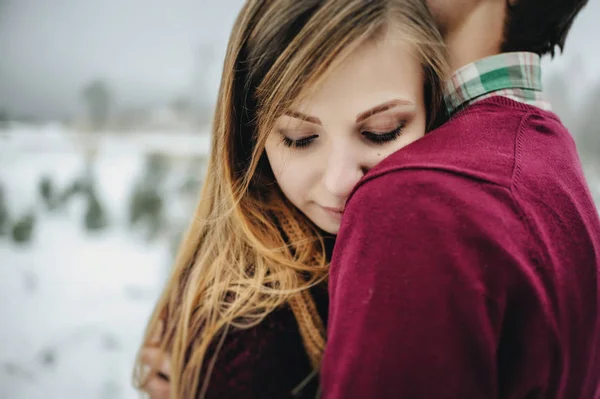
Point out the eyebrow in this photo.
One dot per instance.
(382, 108)
(307, 118)
(361, 117)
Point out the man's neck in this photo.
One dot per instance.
(479, 36)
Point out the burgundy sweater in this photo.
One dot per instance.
(467, 266)
(268, 361)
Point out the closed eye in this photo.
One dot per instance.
(299, 143)
(382, 138)
(374, 137)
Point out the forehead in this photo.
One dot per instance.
(374, 73)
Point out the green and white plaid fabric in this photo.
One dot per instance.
(517, 76)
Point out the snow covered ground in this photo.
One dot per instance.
(74, 303)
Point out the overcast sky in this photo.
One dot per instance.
(149, 50)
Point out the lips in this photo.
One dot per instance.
(333, 209)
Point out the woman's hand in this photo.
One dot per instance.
(158, 384)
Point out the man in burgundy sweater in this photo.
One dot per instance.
(468, 263)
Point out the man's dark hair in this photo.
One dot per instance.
(539, 26)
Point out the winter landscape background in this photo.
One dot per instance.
(104, 116)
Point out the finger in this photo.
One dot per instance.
(157, 388)
(157, 359)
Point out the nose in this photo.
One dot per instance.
(343, 171)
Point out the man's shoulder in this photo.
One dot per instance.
(484, 144)
(435, 197)
(427, 216)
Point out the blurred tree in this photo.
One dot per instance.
(98, 100)
(77, 186)
(157, 168)
(46, 190)
(81, 185)
(146, 206)
(95, 216)
(4, 216)
(146, 209)
(22, 230)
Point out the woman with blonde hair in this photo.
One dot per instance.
(313, 95)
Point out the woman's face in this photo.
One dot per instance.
(368, 108)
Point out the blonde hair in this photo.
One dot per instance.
(249, 251)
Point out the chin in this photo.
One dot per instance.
(321, 220)
(329, 228)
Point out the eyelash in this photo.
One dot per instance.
(376, 138)
(301, 143)
(382, 138)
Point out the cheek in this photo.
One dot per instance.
(294, 174)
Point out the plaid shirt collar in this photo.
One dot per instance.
(514, 75)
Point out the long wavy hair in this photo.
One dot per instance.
(249, 251)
